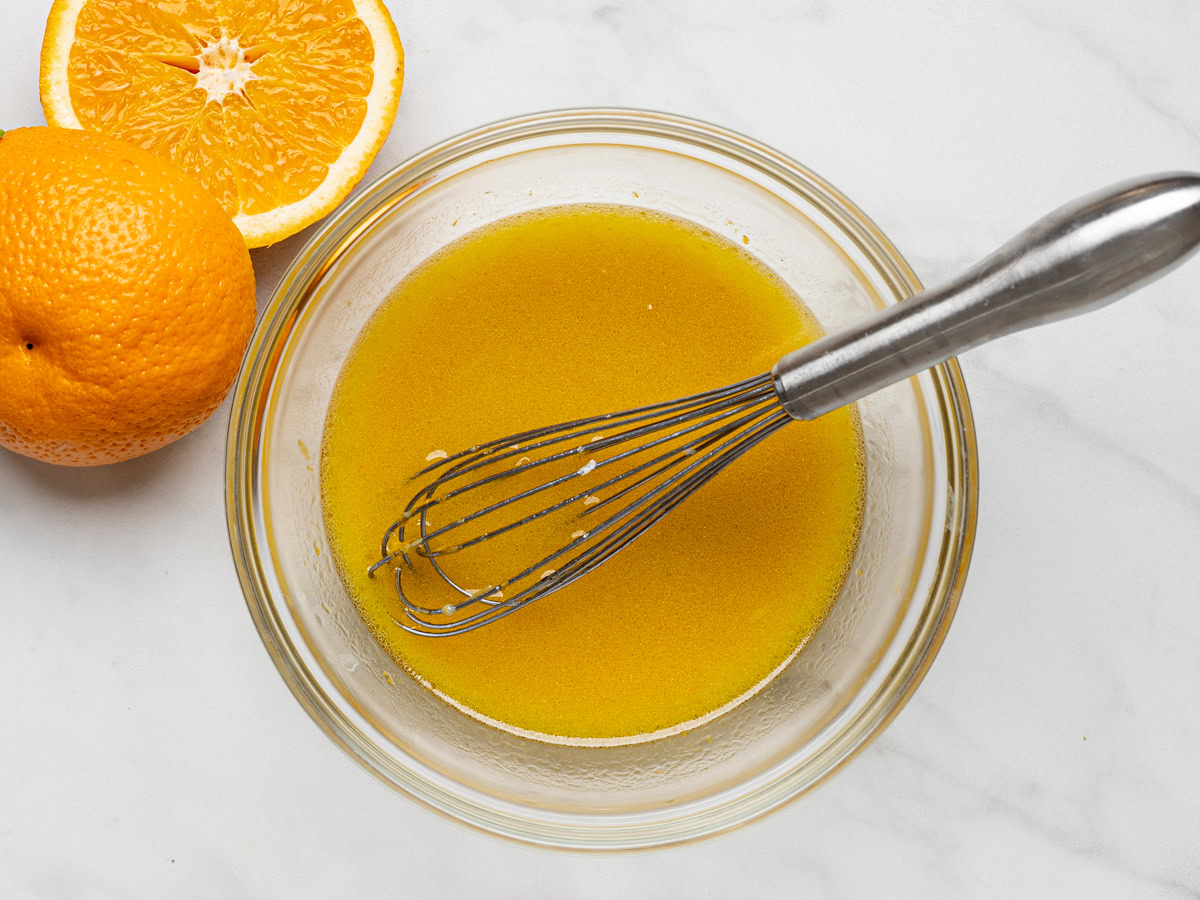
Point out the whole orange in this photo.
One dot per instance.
(126, 298)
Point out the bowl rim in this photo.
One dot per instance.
(445, 796)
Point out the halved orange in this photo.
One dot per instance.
(277, 107)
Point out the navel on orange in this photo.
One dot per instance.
(277, 107)
(126, 298)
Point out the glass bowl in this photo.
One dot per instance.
(824, 706)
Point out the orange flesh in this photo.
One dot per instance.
(281, 91)
(572, 312)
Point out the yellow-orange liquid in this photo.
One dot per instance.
(565, 313)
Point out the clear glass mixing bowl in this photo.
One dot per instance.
(831, 699)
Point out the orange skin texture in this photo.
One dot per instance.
(126, 298)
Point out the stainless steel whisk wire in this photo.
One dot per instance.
(1080, 257)
(749, 410)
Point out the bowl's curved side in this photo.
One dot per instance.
(310, 681)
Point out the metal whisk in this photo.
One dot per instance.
(642, 463)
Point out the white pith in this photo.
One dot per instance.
(224, 69)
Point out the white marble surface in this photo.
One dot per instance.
(149, 749)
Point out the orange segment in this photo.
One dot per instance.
(101, 81)
(261, 21)
(205, 154)
(137, 27)
(273, 171)
(276, 107)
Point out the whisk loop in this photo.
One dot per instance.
(641, 463)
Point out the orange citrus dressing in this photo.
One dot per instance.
(565, 313)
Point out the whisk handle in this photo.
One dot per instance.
(1078, 258)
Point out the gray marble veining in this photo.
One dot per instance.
(151, 750)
